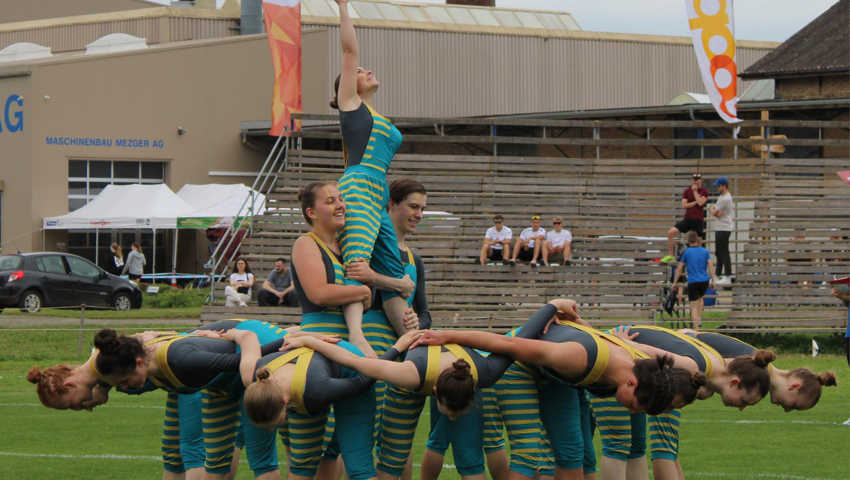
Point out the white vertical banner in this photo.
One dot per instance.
(712, 30)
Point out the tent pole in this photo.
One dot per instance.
(174, 258)
(96, 246)
(153, 269)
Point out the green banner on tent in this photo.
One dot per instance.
(208, 222)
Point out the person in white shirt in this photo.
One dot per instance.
(528, 245)
(557, 244)
(724, 222)
(497, 241)
(241, 281)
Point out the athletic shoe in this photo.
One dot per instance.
(847, 423)
(533, 264)
(668, 259)
(724, 280)
(243, 304)
(512, 263)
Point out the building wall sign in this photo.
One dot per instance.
(103, 142)
(13, 118)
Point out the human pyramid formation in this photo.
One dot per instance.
(353, 378)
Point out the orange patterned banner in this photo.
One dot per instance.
(712, 31)
(283, 24)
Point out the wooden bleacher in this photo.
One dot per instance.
(615, 280)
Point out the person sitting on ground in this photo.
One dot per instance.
(557, 244)
(278, 289)
(694, 199)
(497, 242)
(700, 275)
(241, 281)
(527, 247)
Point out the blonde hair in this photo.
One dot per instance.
(264, 400)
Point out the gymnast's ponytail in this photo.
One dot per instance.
(117, 354)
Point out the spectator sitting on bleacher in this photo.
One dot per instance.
(557, 244)
(241, 281)
(528, 245)
(278, 289)
(497, 242)
(694, 199)
(700, 275)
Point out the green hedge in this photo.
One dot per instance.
(170, 297)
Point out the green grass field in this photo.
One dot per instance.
(122, 438)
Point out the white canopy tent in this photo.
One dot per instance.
(153, 207)
(219, 205)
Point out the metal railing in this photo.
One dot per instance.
(268, 170)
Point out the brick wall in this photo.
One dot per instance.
(805, 88)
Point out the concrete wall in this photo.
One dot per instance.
(207, 88)
(26, 10)
(15, 167)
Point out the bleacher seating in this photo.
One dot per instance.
(615, 280)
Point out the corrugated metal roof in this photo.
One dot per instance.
(444, 15)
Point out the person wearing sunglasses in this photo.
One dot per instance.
(557, 244)
(497, 242)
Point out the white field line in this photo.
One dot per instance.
(153, 407)
(755, 422)
(78, 457)
(768, 476)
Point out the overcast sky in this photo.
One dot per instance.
(771, 20)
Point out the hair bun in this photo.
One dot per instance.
(827, 379)
(762, 358)
(263, 374)
(461, 369)
(334, 103)
(698, 380)
(107, 341)
(34, 375)
(300, 194)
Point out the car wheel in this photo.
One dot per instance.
(122, 302)
(31, 302)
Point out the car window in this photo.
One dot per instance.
(10, 262)
(82, 267)
(51, 264)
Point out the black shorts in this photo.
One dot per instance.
(496, 254)
(689, 224)
(697, 290)
(525, 254)
(134, 277)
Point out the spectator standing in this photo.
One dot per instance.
(724, 213)
(557, 244)
(694, 199)
(497, 242)
(134, 267)
(116, 265)
(528, 245)
(278, 289)
(241, 281)
(698, 262)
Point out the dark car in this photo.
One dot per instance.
(32, 281)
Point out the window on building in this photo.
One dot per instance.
(87, 178)
(694, 151)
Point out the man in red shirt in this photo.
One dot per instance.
(693, 201)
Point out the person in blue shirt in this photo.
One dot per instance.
(700, 270)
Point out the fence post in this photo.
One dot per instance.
(82, 325)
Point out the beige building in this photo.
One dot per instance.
(74, 122)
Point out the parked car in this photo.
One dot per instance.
(32, 281)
